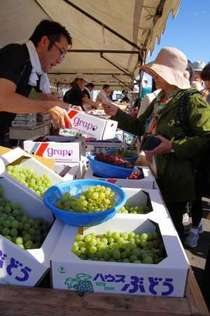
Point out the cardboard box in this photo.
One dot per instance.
(26, 267)
(166, 278)
(20, 157)
(147, 182)
(92, 125)
(60, 150)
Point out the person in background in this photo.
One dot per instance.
(175, 172)
(145, 89)
(104, 95)
(196, 81)
(23, 73)
(125, 97)
(147, 99)
(77, 96)
(89, 90)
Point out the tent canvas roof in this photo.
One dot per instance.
(110, 37)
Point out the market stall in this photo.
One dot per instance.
(146, 260)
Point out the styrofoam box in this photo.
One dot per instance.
(58, 150)
(167, 278)
(92, 125)
(145, 197)
(26, 267)
(25, 160)
(147, 182)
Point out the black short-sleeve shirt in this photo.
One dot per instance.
(74, 96)
(15, 66)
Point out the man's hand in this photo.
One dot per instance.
(164, 148)
(110, 109)
(60, 117)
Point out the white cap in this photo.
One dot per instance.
(198, 65)
(81, 76)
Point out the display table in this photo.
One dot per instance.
(18, 301)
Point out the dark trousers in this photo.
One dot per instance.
(196, 211)
(176, 210)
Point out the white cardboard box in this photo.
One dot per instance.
(60, 151)
(167, 278)
(147, 182)
(26, 267)
(20, 157)
(92, 125)
(145, 197)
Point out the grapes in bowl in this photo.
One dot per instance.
(84, 202)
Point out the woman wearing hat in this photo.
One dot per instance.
(174, 155)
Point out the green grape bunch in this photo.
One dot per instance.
(129, 247)
(16, 226)
(94, 199)
(27, 177)
(129, 209)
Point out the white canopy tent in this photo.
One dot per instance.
(110, 37)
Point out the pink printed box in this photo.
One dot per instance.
(59, 151)
(95, 126)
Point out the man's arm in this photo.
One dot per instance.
(12, 102)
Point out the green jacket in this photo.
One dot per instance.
(175, 171)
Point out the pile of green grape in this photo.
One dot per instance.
(29, 178)
(15, 225)
(94, 199)
(128, 209)
(128, 247)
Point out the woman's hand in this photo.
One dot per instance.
(110, 109)
(164, 148)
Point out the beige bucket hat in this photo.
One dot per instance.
(170, 64)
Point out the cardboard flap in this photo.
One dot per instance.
(14, 154)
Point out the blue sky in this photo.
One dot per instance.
(189, 31)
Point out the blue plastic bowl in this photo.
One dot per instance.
(76, 187)
(107, 170)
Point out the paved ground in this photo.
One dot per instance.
(198, 255)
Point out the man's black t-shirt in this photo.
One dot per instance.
(15, 66)
(74, 96)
